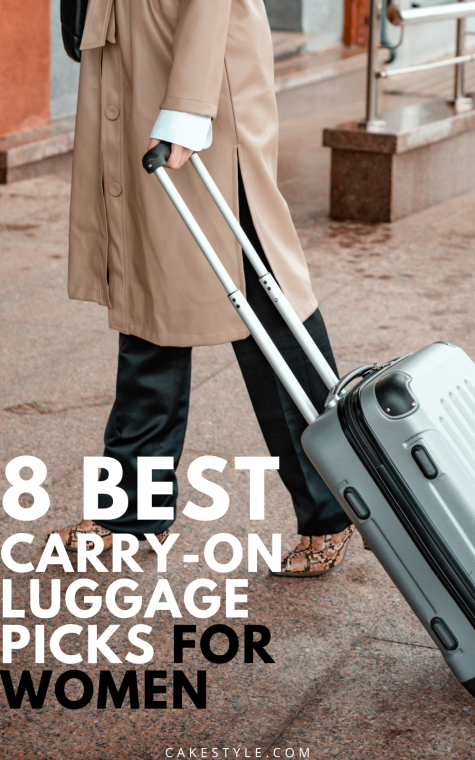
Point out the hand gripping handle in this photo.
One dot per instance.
(156, 157)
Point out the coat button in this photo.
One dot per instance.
(115, 189)
(112, 112)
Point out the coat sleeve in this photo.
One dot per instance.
(199, 44)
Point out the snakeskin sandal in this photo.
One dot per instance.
(316, 555)
(69, 536)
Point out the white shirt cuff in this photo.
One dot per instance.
(190, 130)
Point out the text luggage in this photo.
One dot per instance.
(396, 448)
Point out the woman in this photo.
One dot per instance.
(207, 68)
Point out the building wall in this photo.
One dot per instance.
(284, 16)
(24, 65)
(38, 82)
(64, 71)
(322, 18)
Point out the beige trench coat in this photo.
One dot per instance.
(129, 249)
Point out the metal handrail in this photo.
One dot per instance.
(459, 11)
(431, 13)
(426, 66)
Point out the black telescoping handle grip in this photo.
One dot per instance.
(156, 157)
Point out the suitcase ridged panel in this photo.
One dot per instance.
(459, 423)
(328, 449)
(443, 381)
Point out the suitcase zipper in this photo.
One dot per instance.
(405, 505)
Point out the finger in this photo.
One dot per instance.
(178, 157)
(175, 156)
(185, 156)
(152, 144)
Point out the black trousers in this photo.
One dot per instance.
(150, 412)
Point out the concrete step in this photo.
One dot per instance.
(318, 66)
(41, 151)
(289, 43)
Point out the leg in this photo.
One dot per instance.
(148, 418)
(317, 510)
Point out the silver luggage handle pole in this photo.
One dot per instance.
(267, 280)
(153, 162)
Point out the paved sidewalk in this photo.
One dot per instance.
(355, 676)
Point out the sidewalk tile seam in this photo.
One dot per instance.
(318, 690)
(402, 643)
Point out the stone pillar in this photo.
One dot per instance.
(423, 154)
(24, 65)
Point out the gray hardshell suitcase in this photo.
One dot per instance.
(396, 448)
